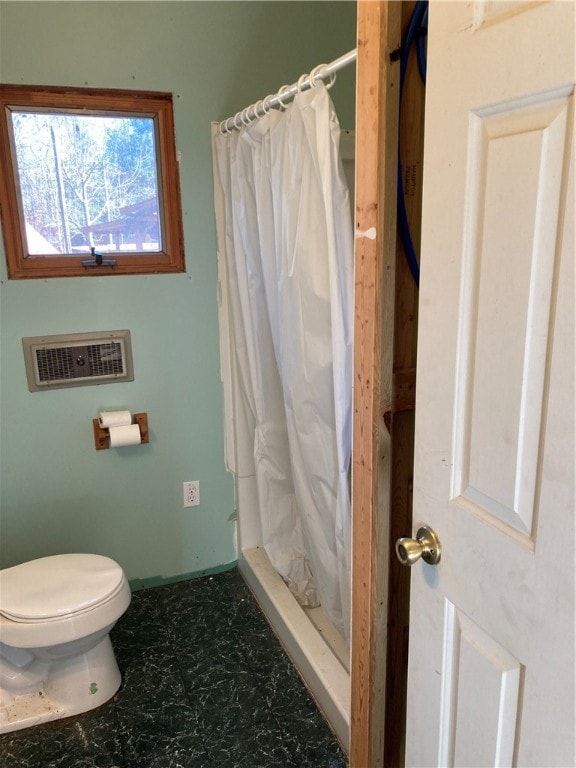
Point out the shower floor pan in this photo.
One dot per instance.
(316, 648)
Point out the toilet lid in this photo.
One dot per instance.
(56, 586)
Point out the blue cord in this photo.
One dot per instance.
(421, 45)
(417, 29)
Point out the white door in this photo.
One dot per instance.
(491, 667)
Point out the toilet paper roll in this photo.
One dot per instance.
(125, 435)
(115, 419)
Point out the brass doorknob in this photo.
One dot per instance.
(426, 545)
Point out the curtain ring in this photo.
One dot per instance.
(331, 82)
(263, 106)
(301, 82)
(316, 75)
(282, 92)
(223, 130)
(246, 120)
(237, 117)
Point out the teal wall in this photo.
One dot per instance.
(58, 494)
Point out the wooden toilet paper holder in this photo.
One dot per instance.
(102, 436)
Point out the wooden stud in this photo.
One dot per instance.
(411, 134)
(378, 72)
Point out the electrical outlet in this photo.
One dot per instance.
(191, 493)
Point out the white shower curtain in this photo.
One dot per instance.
(285, 248)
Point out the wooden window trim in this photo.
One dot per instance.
(109, 101)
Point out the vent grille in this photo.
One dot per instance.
(78, 359)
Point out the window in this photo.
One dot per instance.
(88, 182)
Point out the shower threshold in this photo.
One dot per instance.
(318, 651)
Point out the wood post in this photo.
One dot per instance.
(411, 133)
(378, 72)
(384, 382)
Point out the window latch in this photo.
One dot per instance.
(97, 260)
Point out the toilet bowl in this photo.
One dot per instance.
(56, 658)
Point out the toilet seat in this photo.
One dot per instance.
(56, 587)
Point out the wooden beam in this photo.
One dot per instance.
(411, 133)
(379, 29)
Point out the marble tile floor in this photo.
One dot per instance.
(205, 685)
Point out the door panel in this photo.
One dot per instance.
(491, 667)
(514, 188)
(471, 655)
(516, 155)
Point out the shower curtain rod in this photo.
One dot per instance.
(260, 108)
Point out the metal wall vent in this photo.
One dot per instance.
(77, 359)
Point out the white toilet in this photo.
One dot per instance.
(56, 658)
